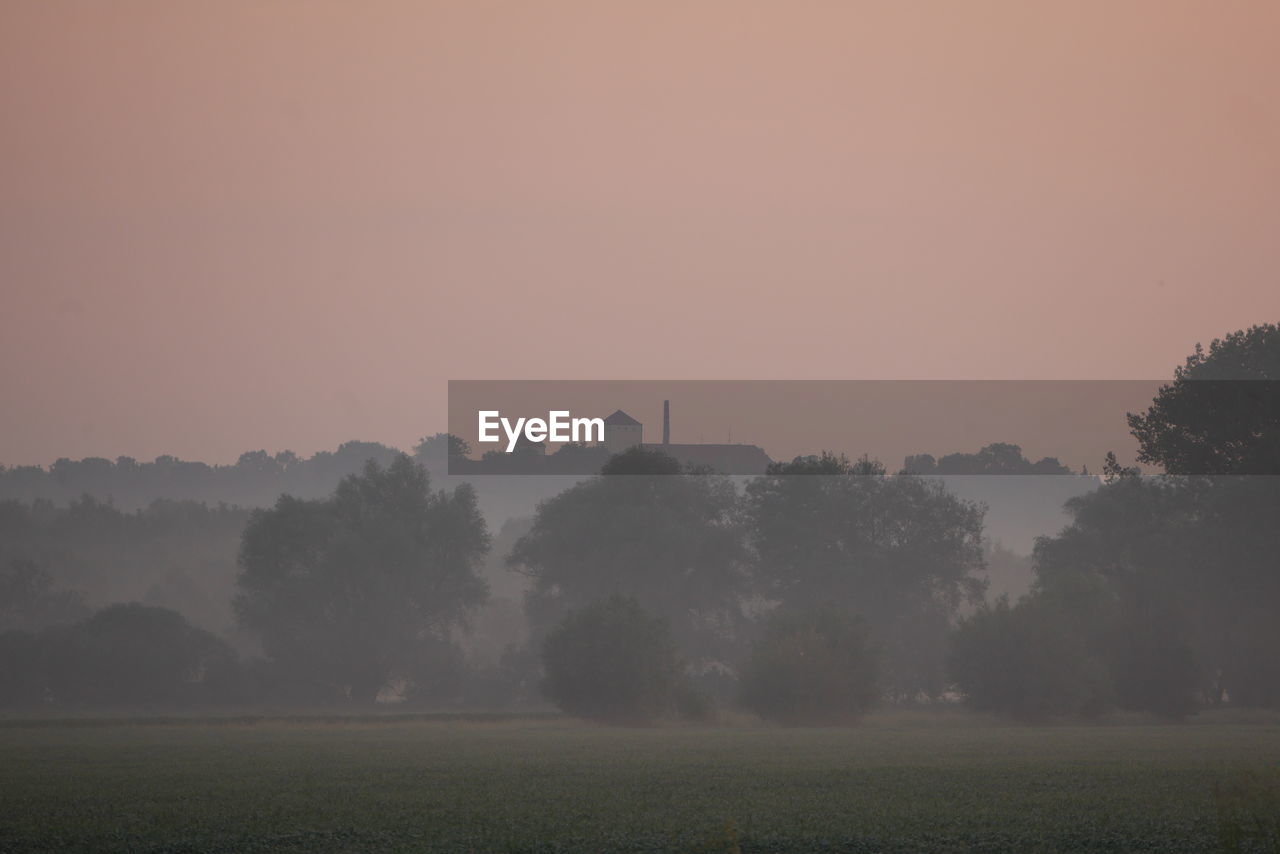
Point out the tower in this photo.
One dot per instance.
(666, 422)
(621, 431)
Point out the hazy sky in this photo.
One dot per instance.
(235, 225)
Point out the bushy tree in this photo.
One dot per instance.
(438, 452)
(1186, 564)
(1236, 586)
(1030, 661)
(174, 554)
(1221, 414)
(1166, 585)
(126, 655)
(1154, 665)
(349, 591)
(29, 600)
(673, 542)
(642, 461)
(811, 667)
(901, 552)
(1049, 656)
(611, 661)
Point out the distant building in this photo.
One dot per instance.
(621, 431)
(723, 458)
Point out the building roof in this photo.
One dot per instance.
(621, 419)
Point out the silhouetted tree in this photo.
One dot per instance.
(349, 590)
(255, 480)
(175, 554)
(1111, 468)
(671, 541)
(29, 601)
(611, 661)
(1138, 545)
(901, 552)
(134, 655)
(996, 458)
(438, 452)
(814, 667)
(1031, 661)
(638, 460)
(1221, 414)
(1184, 587)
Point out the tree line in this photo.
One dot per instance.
(256, 479)
(818, 589)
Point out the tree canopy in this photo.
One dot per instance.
(901, 552)
(352, 590)
(811, 667)
(671, 541)
(611, 661)
(1221, 413)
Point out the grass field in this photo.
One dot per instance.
(895, 783)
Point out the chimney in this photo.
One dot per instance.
(666, 422)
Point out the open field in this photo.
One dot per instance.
(896, 783)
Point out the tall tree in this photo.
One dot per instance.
(1221, 414)
(1167, 584)
(132, 654)
(1175, 570)
(1132, 580)
(29, 599)
(611, 661)
(436, 453)
(671, 541)
(353, 590)
(900, 552)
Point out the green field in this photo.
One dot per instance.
(895, 783)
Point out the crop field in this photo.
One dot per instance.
(894, 783)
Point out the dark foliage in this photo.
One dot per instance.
(812, 667)
(996, 458)
(256, 479)
(672, 542)
(366, 586)
(1028, 661)
(1221, 414)
(29, 600)
(123, 656)
(901, 552)
(611, 661)
(173, 554)
(638, 460)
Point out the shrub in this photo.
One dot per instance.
(811, 668)
(1078, 652)
(137, 655)
(1028, 661)
(1153, 663)
(611, 662)
(123, 655)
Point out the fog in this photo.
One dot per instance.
(656, 588)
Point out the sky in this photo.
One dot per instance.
(288, 223)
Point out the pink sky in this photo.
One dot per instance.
(237, 225)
